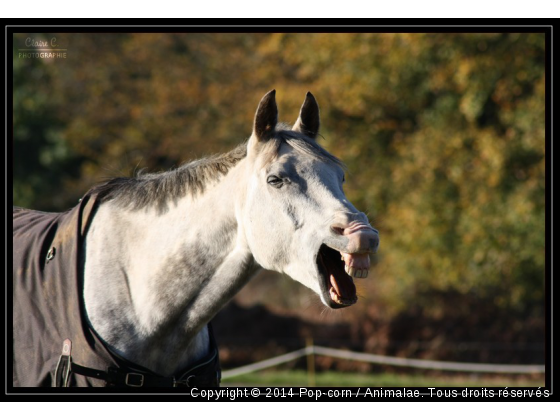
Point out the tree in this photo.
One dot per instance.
(443, 136)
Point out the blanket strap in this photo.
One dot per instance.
(63, 367)
(205, 374)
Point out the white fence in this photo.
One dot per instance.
(385, 360)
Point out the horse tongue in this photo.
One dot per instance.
(359, 261)
(344, 287)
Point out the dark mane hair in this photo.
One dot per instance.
(157, 189)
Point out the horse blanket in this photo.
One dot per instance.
(48, 310)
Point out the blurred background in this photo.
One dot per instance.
(444, 139)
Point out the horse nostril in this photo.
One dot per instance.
(374, 243)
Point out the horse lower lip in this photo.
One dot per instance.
(335, 297)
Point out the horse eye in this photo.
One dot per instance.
(274, 181)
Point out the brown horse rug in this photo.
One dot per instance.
(53, 344)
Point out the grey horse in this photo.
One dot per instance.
(163, 253)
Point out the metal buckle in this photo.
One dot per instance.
(188, 380)
(50, 254)
(138, 375)
(185, 382)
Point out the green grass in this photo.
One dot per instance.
(340, 379)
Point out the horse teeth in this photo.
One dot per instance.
(356, 273)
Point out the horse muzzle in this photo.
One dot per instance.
(352, 239)
(352, 234)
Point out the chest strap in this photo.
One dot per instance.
(205, 374)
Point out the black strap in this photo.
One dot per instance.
(206, 374)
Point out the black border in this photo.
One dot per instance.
(327, 26)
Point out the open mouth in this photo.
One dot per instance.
(337, 271)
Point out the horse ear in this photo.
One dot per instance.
(266, 117)
(308, 120)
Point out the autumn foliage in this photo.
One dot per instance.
(443, 136)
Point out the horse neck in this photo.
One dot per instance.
(153, 281)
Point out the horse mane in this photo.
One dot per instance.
(157, 189)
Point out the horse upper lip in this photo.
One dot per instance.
(357, 238)
(344, 248)
(350, 251)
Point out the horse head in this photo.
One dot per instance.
(296, 217)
